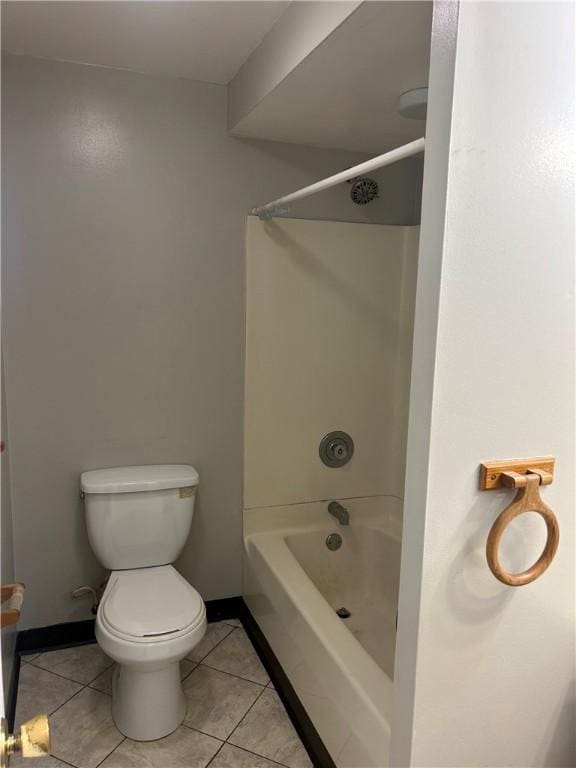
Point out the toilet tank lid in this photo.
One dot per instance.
(154, 477)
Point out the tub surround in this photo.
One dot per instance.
(328, 347)
(329, 320)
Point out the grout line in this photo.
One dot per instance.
(187, 675)
(255, 754)
(245, 716)
(67, 700)
(99, 691)
(215, 646)
(70, 679)
(238, 677)
(84, 687)
(209, 763)
(204, 733)
(225, 741)
(109, 753)
(101, 672)
(57, 674)
(65, 762)
(235, 629)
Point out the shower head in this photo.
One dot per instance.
(363, 190)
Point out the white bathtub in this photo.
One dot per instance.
(340, 668)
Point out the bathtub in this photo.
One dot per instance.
(341, 668)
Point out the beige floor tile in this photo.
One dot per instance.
(215, 632)
(83, 732)
(27, 658)
(104, 681)
(17, 761)
(233, 622)
(267, 731)
(182, 749)
(40, 691)
(217, 701)
(81, 664)
(186, 666)
(234, 757)
(236, 655)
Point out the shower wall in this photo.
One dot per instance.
(329, 336)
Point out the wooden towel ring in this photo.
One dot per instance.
(11, 596)
(527, 500)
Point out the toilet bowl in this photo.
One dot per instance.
(150, 617)
(148, 620)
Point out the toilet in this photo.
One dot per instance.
(150, 617)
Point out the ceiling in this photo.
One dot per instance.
(206, 41)
(345, 93)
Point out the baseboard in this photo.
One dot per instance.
(73, 633)
(301, 721)
(56, 636)
(227, 608)
(12, 693)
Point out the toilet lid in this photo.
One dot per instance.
(149, 602)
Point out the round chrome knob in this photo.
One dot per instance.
(336, 449)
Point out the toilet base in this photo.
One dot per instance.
(147, 705)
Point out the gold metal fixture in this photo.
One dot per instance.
(32, 741)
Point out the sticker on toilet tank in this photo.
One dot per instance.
(185, 493)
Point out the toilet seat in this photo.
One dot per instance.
(150, 605)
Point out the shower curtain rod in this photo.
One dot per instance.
(277, 206)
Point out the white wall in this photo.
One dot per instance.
(329, 336)
(124, 209)
(494, 683)
(301, 28)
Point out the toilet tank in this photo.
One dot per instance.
(139, 517)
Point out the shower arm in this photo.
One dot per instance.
(281, 204)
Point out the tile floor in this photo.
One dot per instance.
(235, 718)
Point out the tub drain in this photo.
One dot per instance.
(344, 613)
(334, 541)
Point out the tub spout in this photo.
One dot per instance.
(339, 512)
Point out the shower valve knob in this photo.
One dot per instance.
(336, 449)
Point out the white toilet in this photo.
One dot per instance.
(150, 617)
